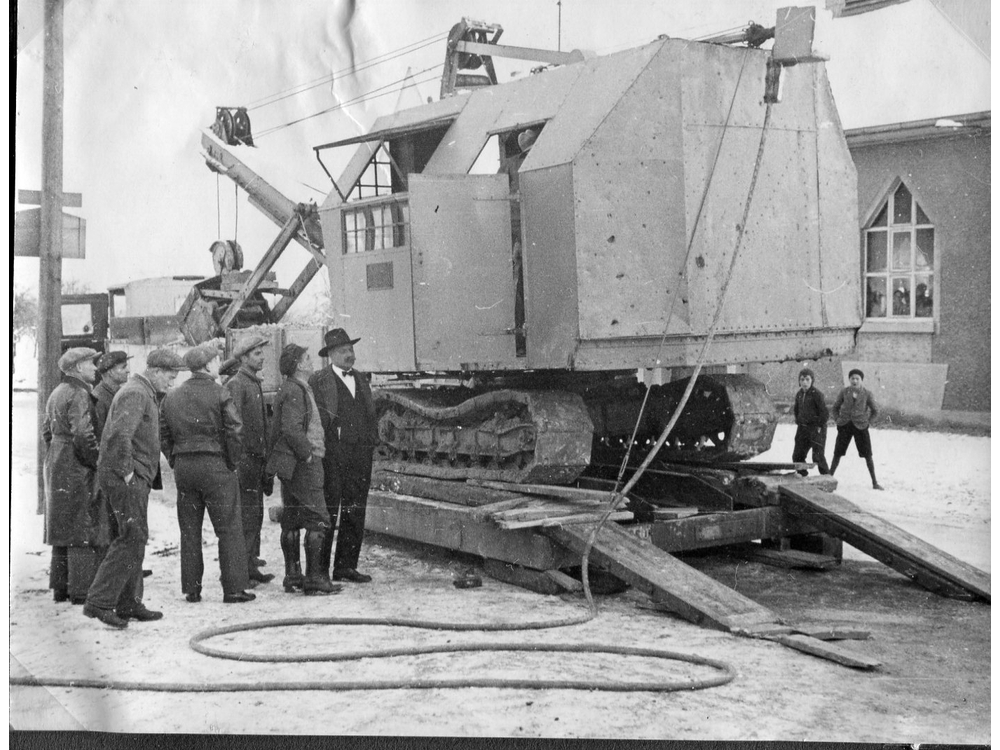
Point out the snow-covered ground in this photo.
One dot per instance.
(934, 685)
(937, 486)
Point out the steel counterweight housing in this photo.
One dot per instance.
(623, 218)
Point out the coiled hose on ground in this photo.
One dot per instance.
(723, 671)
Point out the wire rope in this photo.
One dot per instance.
(357, 68)
(358, 99)
(618, 496)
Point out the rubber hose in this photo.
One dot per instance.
(724, 672)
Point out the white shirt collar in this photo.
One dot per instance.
(342, 373)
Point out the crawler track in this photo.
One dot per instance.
(506, 435)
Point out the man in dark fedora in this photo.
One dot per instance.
(248, 398)
(347, 412)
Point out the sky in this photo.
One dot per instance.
(143, 78)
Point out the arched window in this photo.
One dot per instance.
(899, 260)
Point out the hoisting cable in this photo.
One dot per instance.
(218, 206)
(687, 258)
(619, 496)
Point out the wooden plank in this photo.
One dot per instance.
(672, 514)
(440, 489)
(460, 528)
(567, 582)
(562, 519)
(790, 558)
(758, 491)
(688, 592)
(719, 529)
(487, 511)
(528, 578)
(825, 650)
(832, 632)
(748, 466)
(594, 497)
(887, 543)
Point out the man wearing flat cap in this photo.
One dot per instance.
(128, 464)
(76, 525)
(347, 413)
(248, 398)
(202, 440)
(113, 370)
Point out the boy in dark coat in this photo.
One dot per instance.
(854, 409)
(811, 416)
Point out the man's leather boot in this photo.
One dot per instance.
(317, 580)
(290, 546)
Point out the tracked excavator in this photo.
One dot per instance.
(513, 254)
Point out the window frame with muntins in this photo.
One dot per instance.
(899, 261)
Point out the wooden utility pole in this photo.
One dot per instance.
(51, 247)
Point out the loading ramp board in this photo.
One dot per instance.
(916, 559)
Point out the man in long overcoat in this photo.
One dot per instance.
(76, 524)
(347, 412)
(128, 464)
(248, 398)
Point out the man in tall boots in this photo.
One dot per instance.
(248, 398)
(296, 457)
(347, 413)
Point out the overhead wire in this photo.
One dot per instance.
(368, 96)
(356, 68)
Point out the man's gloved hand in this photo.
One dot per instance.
(268, 484)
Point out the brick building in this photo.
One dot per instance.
(917, 119)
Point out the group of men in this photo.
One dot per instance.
(102, 461)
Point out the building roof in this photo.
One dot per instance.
(975, 124)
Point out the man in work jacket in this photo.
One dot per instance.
(128, 464)
(347, 412)
(201, 436)
(296, 457)
(76, 524)
(113, 369)
(248, 398)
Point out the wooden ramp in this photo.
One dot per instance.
(887, 543)
(686, 591)
(692, 594)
